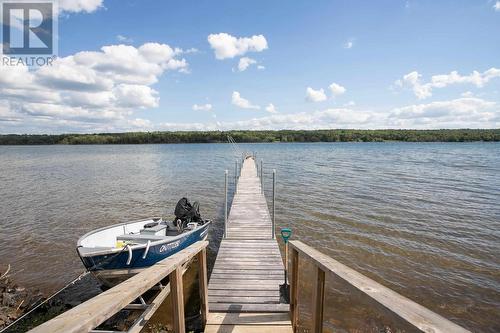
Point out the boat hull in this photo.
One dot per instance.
(114, 267)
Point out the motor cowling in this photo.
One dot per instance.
(186, 212)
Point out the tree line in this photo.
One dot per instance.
(335, 135)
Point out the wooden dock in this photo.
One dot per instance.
(243, 290)
(243, 293)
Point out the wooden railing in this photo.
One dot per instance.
(413, 314)
(89, 315)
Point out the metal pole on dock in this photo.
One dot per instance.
(225, 203)
(274, 199)
(235, 173)
(261, 178)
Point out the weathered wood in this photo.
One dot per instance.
(92, 313)
(249, 319)
(223, 292)
(245, 299)
(294, 287)
(203, 282)
(249, 268)
(242, 282)
(410, 312)
(239, 308)
(246, 271)
(248, 329)
(143, 319)
(176, 286)
(318, 300)
(213, 286)
(247, 276)
(272, 266)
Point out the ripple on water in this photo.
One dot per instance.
(423, 219)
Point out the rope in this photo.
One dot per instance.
(47, 299)
(234, 145)
(230, 139)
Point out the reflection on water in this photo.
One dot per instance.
(421, 218)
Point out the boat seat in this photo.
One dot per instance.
(139, 238)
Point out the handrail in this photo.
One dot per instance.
(412, 313)
(225, 204)
(90, 314)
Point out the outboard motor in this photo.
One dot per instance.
(186, 212)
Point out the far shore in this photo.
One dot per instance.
(333, 135)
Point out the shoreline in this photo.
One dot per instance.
(15, 300)
(278, 136)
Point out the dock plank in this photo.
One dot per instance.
(244, 285)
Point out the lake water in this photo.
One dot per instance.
(420, 218)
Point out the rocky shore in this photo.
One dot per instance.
(15, 300)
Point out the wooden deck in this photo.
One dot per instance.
(243, 290)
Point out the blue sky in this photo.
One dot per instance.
(321, 64)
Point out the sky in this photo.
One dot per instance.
(148, 65)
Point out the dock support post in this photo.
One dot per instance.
(318, 299)
(294, 284)
(202, 276)
(225, 203)
(274, 199)
(177, 300)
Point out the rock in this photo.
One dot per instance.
(3, 315)
(8, 299)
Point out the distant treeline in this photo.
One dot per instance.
(337, 135)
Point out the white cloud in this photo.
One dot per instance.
(260, 67)
(496, 6)
(467, 94)
(191, 50)
(241, 102)
(202, 107)
(75, 6)
(350, 103)
(227, 46)
(142, 124)
(271, 108)
(324, 119)
(348, 45)
(315, 95)
(90, 89)
(135, 96)
(124, 39)
(422, 90)
(337, 89)
(467, 112)
(458, 113)
(245, 62)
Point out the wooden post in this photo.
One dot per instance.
(318, 300)
(177, 300)
(294, 287)
(202, 275)
(225, 203)
(274, 206)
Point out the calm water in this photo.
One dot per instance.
(421, 218)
